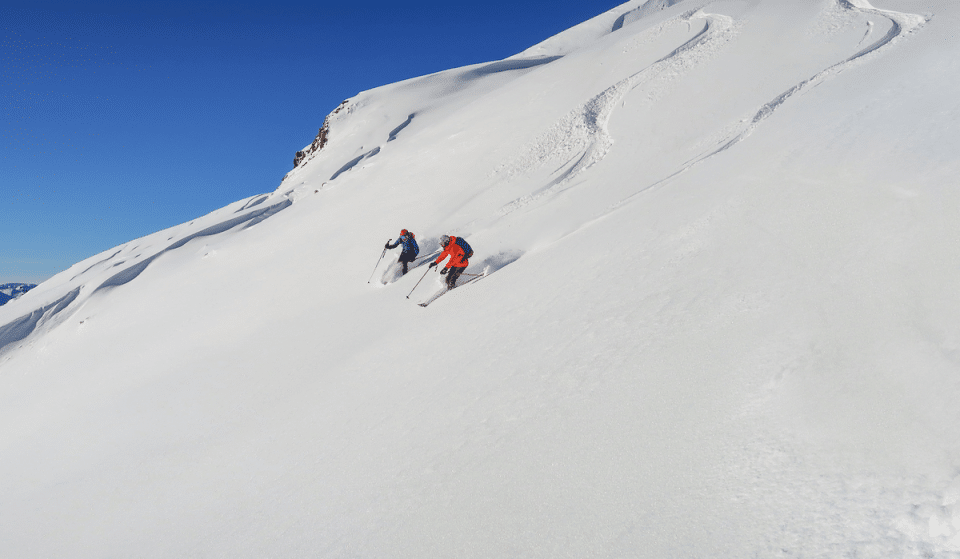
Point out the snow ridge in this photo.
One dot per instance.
(24, 326)
(131, 262)
(648, 8)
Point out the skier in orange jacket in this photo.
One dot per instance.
(459, 251)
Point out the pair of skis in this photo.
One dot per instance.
(446, 290)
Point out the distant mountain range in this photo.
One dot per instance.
(10, 291)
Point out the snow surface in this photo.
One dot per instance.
(720, 320)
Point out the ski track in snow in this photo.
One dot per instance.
(914, 518)
(582, 138)
(902, 25)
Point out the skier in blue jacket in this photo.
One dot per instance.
(410, 248)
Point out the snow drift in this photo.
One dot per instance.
(721, 318)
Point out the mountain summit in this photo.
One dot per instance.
(719, 315)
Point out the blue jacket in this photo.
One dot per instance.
(410, 247)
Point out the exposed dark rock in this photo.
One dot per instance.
(321, 140)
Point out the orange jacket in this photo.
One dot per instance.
(457, 257)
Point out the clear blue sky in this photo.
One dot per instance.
(121, 118)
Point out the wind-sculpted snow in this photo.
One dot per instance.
(132, 263)
(453, 82)
(248, 219)
(393, 133)
(22, 327)
(509, 65)
(97, 263)
(256, 201)
(648, 8)
(353, 162)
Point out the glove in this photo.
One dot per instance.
(444, 271)
(387, 245)
(432, 265)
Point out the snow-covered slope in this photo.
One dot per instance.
(720, 318)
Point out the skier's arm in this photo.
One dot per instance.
(444, 254)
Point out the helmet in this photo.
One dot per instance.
(403, 232)
(444, 240)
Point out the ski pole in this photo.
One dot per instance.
(378, 262)
(427, 256)
(418, 283)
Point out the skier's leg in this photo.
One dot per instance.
(404, 261)
(452, 276)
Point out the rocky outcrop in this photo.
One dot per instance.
(321, 140)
